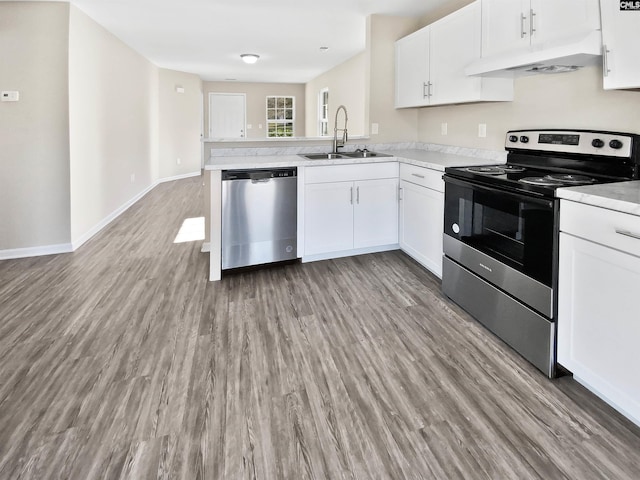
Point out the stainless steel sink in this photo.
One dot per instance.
(324, 156)
(329, 156)
(366, 154)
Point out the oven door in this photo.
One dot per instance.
(505, 237)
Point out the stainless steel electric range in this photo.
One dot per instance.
(501, 230)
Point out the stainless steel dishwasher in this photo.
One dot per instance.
(259, 216)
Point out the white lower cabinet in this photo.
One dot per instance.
(347, 216)
(375, 213)
(598, 313)
(328, 217)
(421, 216)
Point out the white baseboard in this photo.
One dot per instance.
(110, 218)
(179, 177)
(35, 251)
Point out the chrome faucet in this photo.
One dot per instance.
(337, 145)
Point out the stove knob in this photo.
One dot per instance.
(524, 139)
(596, 142)
(615, 144)
(513, 138)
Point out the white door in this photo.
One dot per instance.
(421, 225)
(598, 327)
(375, 213)
(621, 67)
(412, 69)
(505, 26)
(227, 113)
(555, 21)
(451, 52)
(328, 217)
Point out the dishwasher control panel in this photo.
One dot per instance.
(254, 173)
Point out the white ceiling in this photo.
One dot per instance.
(206, 37)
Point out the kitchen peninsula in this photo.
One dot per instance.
(417, 169)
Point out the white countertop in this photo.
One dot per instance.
(423, 158)
(622, 196)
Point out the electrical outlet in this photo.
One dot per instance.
(482, 130)
(374, 129)
(133, 177)
(443, 128)
(178, 161)
(249, 126)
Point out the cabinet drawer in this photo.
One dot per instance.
(606, 227)
(425, 177)
(351, 172)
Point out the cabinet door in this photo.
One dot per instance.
(598, 327)
(505, 26)
(455, 43)
(554, 21)
(328, 217)
(412, 69)
(621, 68)
(421, 225)
(376, 213)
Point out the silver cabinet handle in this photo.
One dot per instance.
(523, 18)
(532, 27)
(417, 175)
(358, 195)
(605, 61)
(399, 193)
(429, 85)
(425, 90)
(351, 201)
(627, 233)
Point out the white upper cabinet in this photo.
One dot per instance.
(512, 25)
(412, 69)
(620, 35)
(430, 64)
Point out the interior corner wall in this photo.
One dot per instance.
(112, 127)
(34, 132)
(565, 100)
(346, 84)
(394, 125)
(180, 123)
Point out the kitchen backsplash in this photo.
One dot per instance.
(378, 147)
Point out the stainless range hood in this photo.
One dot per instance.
(568, 56)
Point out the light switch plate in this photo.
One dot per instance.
(374, 129)
(482, 130)
(444, 128)
(10, 96)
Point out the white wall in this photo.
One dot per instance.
(346, 84)
(179, 123)
(34, 132)
(112, 128)
(566, 100)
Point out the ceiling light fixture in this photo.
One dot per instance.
(249, 57)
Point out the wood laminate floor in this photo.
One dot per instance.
(122, 361)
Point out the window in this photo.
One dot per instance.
(280, 116)
(323, 112)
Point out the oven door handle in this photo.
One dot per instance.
(533, 197)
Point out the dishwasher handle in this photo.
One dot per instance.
(260, 177)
